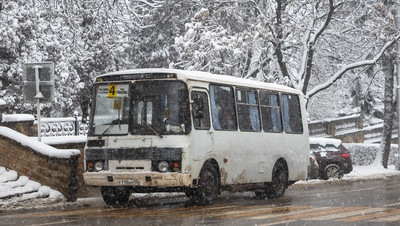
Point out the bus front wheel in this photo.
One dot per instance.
(277, 187)
(208, 187)
(115, 195)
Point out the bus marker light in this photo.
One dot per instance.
(90, 166)
(175, 166)
(225, 160)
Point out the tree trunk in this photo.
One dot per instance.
(388, 70)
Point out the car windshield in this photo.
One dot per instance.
(159, 108)
(111, 113)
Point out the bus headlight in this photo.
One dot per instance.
(98, 166)
(163, 166)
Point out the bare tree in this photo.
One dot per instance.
(388, 61)
(388, 70)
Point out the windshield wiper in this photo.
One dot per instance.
(152, 128)
(112, 124)
(106, 130)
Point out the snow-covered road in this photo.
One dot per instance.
(18, 192)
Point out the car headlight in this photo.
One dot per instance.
(98, 166)
(163, 166)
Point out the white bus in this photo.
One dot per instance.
(162, 130)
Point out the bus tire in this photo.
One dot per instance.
(115, 196)
(208, 187)
(261, 195)
(277, 187)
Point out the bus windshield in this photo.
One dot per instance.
(111, 113)
(160, 108)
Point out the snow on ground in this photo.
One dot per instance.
(44, 197)
(370, 172)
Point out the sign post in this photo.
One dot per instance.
(38, 96)
(39, 86)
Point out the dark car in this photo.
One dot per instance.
(332, 157)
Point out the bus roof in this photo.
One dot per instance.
(206, 77)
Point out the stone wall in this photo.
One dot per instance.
(59, 173)
(28, 128)
(83, 190)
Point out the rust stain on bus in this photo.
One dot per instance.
(224, 176)
(240, 179)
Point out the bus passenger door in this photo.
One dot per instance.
(202, 139)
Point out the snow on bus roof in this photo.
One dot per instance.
(208, 77)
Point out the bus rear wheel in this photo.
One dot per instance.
(208, 187)
(277, 187)
(115, 196)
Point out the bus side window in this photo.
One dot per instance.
(271, 112)
(291, 114)
(200, 112)
(248, 114)
(223, 109)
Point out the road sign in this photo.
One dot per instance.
(39, 85)
(46, 82)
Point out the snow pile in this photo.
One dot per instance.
(6, 176)
(371, 172)
(16, 191)
(18, 118)
(36, 145)
(62, 140)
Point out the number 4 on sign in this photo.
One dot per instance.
(112, 91)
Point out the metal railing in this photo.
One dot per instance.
(69, 126)
(335, 126)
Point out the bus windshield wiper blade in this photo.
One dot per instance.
(106, 130)
(111, 125)
(154, 131)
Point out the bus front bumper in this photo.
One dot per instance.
(145, 179)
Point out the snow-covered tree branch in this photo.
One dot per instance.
(348, 67)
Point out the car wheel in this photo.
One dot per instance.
(115, 195)
(277, 187)
(332, 171)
